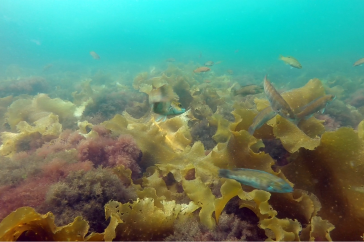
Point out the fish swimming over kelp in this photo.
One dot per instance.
(163, 100)
(201, 69)
(319, 104)
(94, 55)
(289, 60)
(209, 63)
(165, 109)
(261, 118)
(248, 90)
(258, 179)
(171, 60)
(278, 104)
(359, 62)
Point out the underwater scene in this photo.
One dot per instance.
(181, 120)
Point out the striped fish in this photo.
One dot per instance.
(319, 104)
(278, 104)
(258, 179)
(262, 117)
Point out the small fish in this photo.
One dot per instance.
(289, 60)
(319, 104)
(165, 109)
(47, 67)
(236, 51)
(258, 179)
(359, 62)
(162, 94)
(263, 116)
(209, 63)
(218, 62)
(207, 81)
(231, 72)
(248, 90)
(94, 55)
(202, 69)
(278, 104)
(171, 60)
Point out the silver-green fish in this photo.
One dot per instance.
(165, 109)
(258, 179)
(262, 117)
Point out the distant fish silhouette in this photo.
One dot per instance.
(94, 55)
(171, 60)
(201, 69)
(47, 67)
(289, 60)
(359, 62)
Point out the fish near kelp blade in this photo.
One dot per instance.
(315, 106)
(258, 179)
(165, 109)
(278, 104)
(263, 116)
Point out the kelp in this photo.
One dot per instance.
(180, 178)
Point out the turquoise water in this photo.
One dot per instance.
(324, 34)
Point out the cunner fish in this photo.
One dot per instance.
(165, 109)
(319, 104)
(263, 116)
(289, 60)
(278, 104)
(163, 103)
(258, 179)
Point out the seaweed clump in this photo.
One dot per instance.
(85, 194)
(107, 151)
(229, 228)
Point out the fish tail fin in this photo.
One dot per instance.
(161, 118)
(251, 130)
(162, 94)
(224, 173)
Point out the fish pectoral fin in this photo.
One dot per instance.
(161, 118)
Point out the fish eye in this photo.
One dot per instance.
(180, 105)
